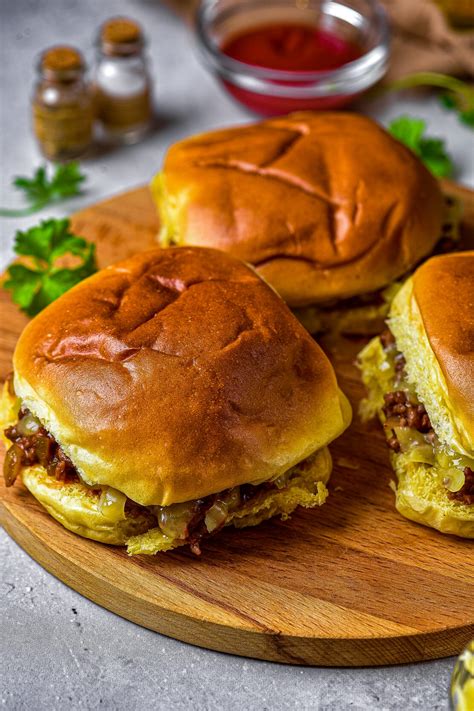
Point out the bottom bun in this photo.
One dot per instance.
(106, 515)
(306, 488)
(421, 498)
(86, 511)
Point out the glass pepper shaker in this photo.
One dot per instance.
(122, 86)
(62, 105)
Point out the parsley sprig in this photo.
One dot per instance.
(35, 286)
(431, 151)
(42, 190)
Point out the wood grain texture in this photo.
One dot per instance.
(352, 583)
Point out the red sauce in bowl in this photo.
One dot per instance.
(289, 47)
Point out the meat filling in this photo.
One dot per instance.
(401, 412)
(32, 444)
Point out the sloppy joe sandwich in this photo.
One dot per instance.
(420, 379)
(330, 209)
(166, 397)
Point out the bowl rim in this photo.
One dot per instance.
(371, 65)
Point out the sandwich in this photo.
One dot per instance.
(330, 209)
(169, 396)
(420, 378)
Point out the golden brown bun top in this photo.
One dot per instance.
(175, 374)
(325, 205)
(444, 291)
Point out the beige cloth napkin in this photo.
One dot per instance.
(423, 40)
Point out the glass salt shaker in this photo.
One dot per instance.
(62, 105)
(122, 86)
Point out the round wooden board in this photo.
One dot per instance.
(350, 584)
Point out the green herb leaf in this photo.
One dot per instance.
(34, 288)
(66, 181)
(431, 151)
(434, 156)
(463, 104)
(39, 241)
(467, 117)
(448, 101)
(24, 284)
(40, 190)
(408, 130)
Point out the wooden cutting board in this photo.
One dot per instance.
(352, 583)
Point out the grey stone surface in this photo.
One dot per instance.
(60, 651)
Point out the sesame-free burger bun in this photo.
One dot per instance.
(325, 205)
(176, 374)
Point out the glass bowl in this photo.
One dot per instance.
(270, 92)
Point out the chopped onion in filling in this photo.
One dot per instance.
(415, 445)
(454, 479)
(112, 504)
(175, 519)
(28, 425)
(216, 516)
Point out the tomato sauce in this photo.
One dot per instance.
(289, 47)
